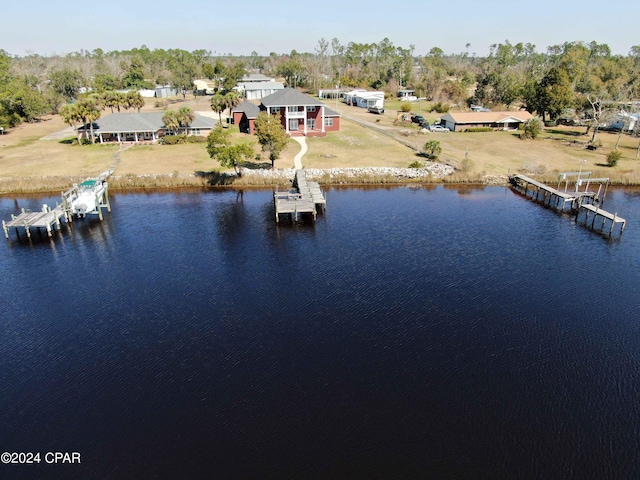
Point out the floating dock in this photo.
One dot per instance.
(586, 205)
(305, 198)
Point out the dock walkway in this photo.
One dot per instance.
(584, 204)
(549, 196)
(305, 198)
(47, 218)
(595, 218)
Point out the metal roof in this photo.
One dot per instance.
(289, 97)
(121, 122)
(250, 110)
(487, 117)
(264, 86)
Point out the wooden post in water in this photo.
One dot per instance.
(99, 205)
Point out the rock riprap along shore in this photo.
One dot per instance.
(431, 170)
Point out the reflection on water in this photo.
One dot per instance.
(441, 332)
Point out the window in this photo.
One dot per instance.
(292, 109)
(275, 109)
(195, 131)
(311, 123)
(293, 125)
(311, 109)
(328, 122)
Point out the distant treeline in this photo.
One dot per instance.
(573, 79)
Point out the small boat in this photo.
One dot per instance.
(89, 196)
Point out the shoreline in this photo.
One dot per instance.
(433, 173)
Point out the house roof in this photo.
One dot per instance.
(487, 117)
(289, 97)
(204, 81)
(121, 122)
(330, 113)
(251, 110)
(263, 86)
(255, 77)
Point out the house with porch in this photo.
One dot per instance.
(460, 121)
(144, 127)
(300, 114)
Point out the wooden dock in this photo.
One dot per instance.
(305, 198)
(549, 196)
(586, 205)
(595, 218)
(47, 218)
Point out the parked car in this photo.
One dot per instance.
(378, 110)
(418, 119)
(439, 128)
(425, 124)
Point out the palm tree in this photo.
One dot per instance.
(432, 148)
(110, 99)
(185, 116)
(134, 100)
(218, 104)
(232, 99)
(69, 114)
(93, 109)
(171, 122)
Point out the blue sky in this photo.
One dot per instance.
(240, 27)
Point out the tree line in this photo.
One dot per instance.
(576, 80)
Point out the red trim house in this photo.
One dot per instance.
(300, 114)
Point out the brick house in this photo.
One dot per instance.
(300, 114)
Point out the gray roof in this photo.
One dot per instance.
(264, 86)
(144, 122)
(330, 113)
(255, 77)
(250, 109)
(289, 97)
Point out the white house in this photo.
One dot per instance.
(407, 95)
(369, 99)
(349, 97)
(258, 90)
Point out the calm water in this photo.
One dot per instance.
(411, 333)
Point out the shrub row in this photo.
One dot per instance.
(479, 129)
(182, 139)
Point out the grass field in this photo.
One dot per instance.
(502, 153)
(29, 163)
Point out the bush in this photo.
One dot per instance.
(440, 107)
(531, 128)
(174, 139)
(432, 149)
(405, 107)
(613, 157)
(196, 139)
(479, 129)
(416, 164)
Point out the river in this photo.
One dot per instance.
(441, 332)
